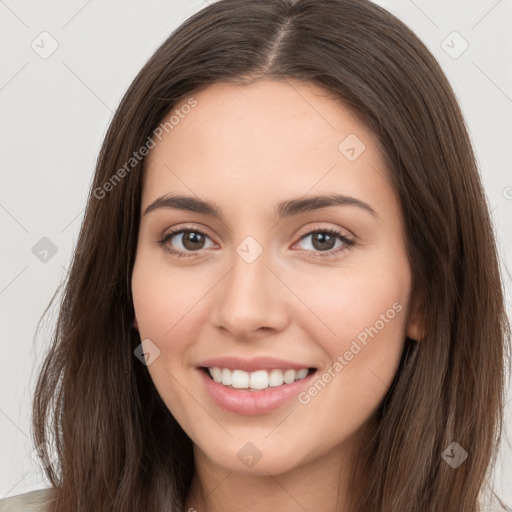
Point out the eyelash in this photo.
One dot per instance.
(348, 243)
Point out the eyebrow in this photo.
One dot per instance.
(283, 209)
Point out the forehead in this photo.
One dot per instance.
(264, 140)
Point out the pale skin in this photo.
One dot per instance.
(246, 149)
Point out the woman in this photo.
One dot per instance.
(285, 293)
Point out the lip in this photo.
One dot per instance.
(253, 364)
(252, 403)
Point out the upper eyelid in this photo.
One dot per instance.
(179, 230)
(311, 229)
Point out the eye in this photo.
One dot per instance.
(323, 242)
(192, 239)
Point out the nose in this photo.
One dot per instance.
(252, 300)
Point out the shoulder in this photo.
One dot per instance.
(33, 501)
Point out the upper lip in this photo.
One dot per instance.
(253, 364)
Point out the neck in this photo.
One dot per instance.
(321, 484)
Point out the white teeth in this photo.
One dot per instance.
(260, 379)
(216, 373)
(301, 374)
(239, 379)
(226, 377)
(289, 376)
(275, 378)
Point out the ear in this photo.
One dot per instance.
(416, 322)
(135, 323)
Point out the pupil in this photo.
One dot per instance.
(323, 241)
(193, 240)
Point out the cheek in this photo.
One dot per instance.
(164, 301)
(367, 314)
(166, 316)
(354, 303)
(362, 331)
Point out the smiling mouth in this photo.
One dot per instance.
(258, 380)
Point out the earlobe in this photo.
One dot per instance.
(415, 332)
(135, 323)
(415, 324)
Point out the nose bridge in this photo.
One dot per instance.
(250, 297)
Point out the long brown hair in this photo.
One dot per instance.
(118, 446)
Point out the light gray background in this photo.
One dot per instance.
(55, 112)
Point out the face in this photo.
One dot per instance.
(266, 290)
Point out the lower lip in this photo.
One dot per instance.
(252, 403)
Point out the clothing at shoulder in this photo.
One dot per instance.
(33, 501)
(36, 501)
